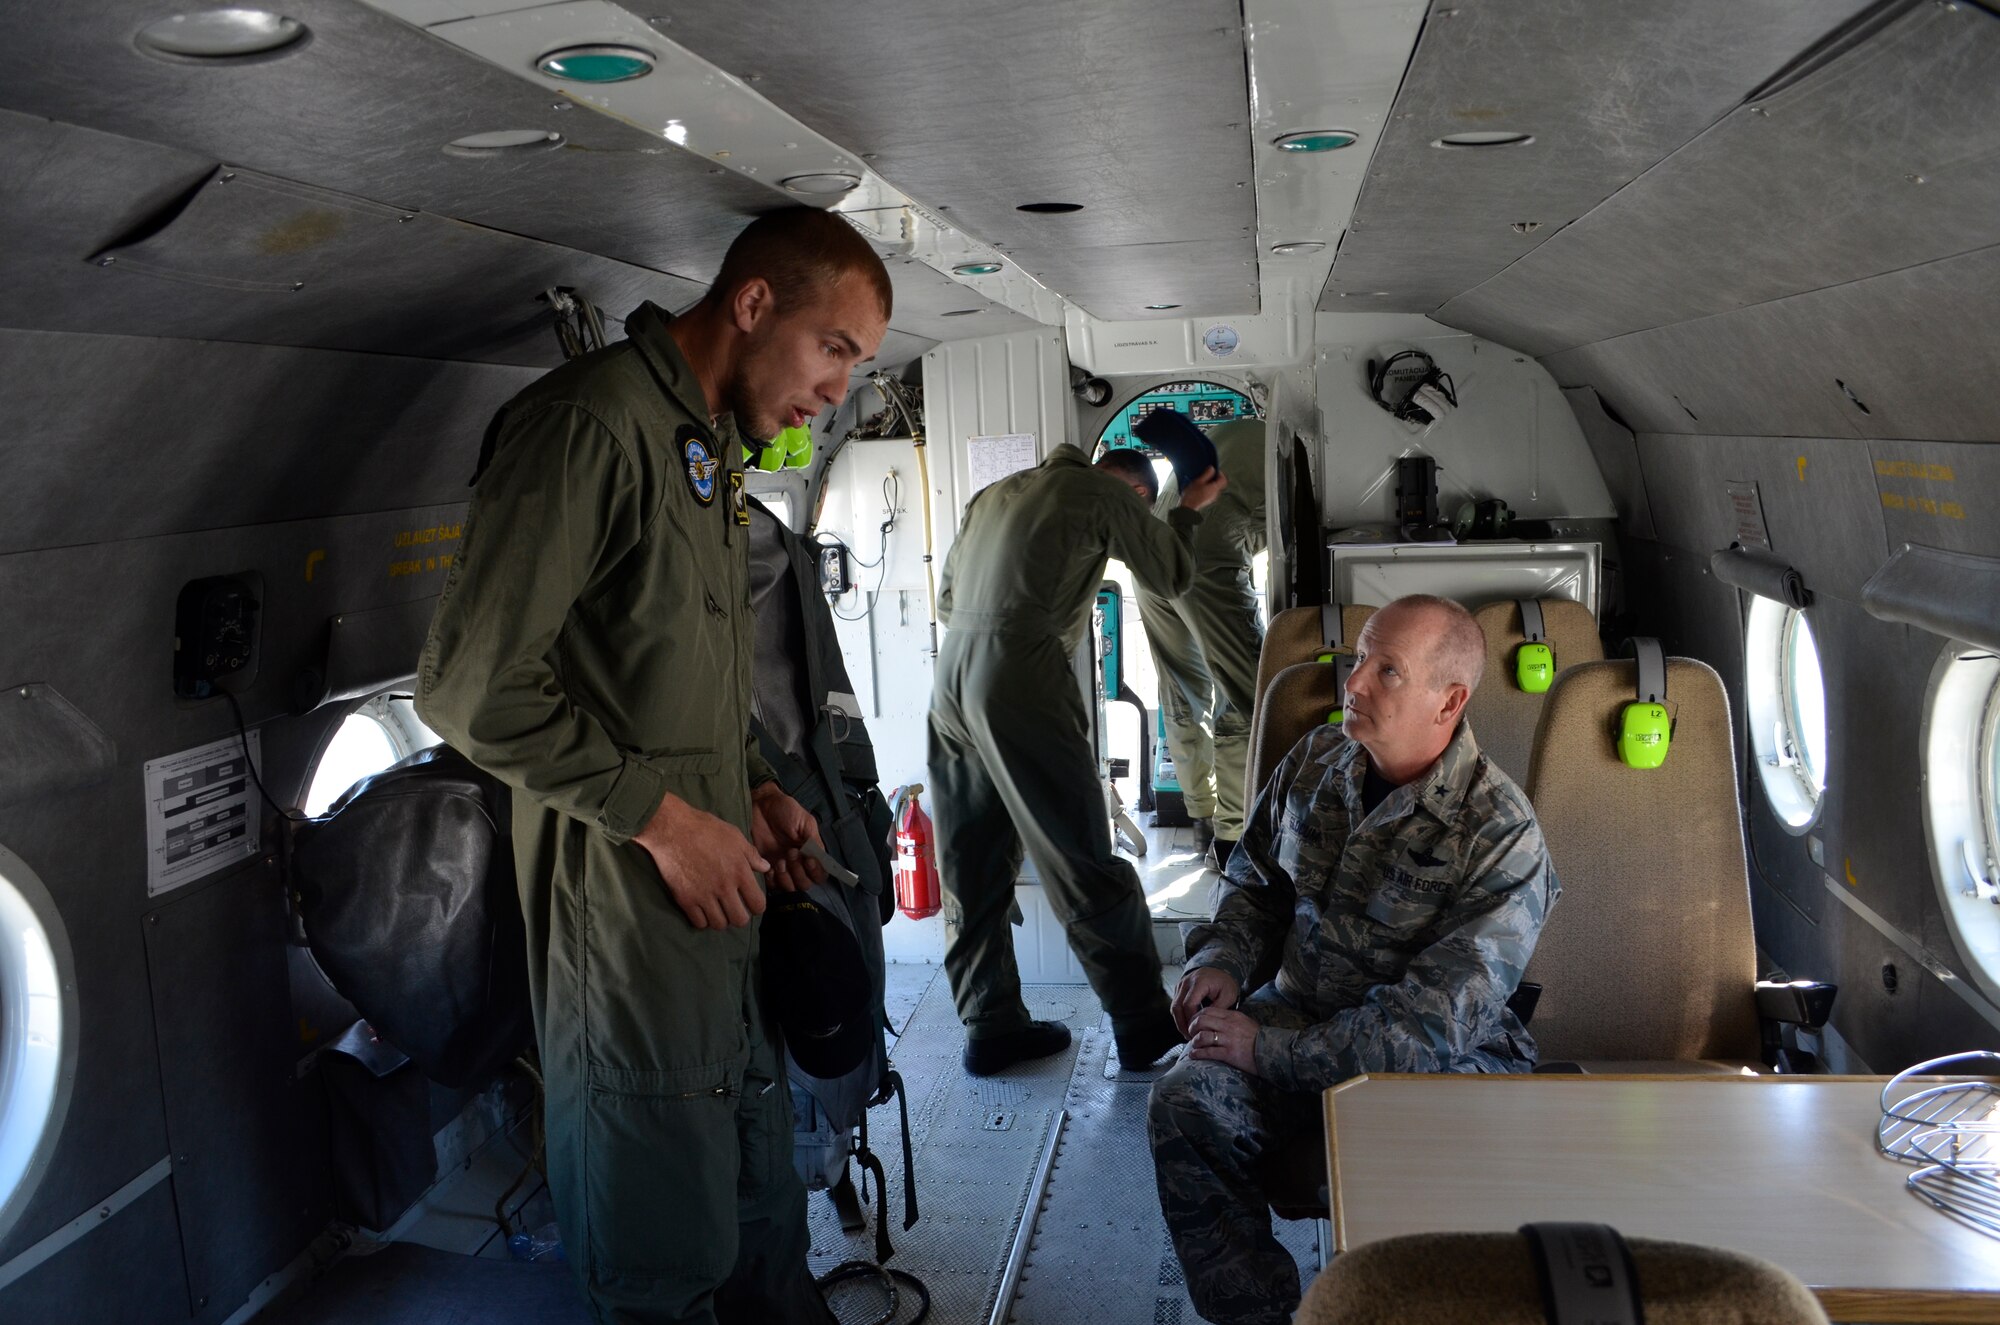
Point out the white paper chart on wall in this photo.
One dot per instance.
(201, 813)
(989, 459)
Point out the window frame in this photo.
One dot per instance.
(1961, 801)
(24, 898)
(1794, 788)
(394, 714)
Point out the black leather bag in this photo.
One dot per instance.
(406, 891)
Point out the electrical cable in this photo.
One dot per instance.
(889, 1279)
(892, 492)
(243, 735)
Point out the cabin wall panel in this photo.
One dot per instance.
(1940, 494)
(1512, 436)
(250, 1191)
(122, 437)
(96, 622)
(126, 1271)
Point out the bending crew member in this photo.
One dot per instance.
(593, 648)
(1010, 750)
(1398, 880)
(1205, 645)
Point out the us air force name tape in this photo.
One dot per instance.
(1763, 573)
(1645, 727)
(1534, 661)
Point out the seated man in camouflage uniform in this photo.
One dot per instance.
(1397, 880)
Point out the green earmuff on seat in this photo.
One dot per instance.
(1534, 660)
(1645, 726)
(790, 449)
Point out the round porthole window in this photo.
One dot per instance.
(1786, 696)
(1961, 753)
(368, 740)
(37, 1033)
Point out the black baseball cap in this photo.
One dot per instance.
(817, 985)
(1174, 435)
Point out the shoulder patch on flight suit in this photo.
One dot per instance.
(738, 497)
(697, 452)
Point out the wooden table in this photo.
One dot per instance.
(1783, 1168)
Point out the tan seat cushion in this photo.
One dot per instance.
(1298, 700)
(1648, 953)
(1490, 1278)
(1501, 712)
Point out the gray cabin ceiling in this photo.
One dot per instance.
(1831, 179)
(1606, 90)
(109, 146)
(1136, 109)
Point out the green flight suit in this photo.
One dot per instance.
(1205, 643)
(1010, 750)
(593, 649)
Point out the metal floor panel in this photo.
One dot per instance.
(976, 1142)
(1099, 1250)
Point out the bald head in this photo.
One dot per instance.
(1456, 646)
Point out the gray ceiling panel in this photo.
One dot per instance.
(1136, 109)
(1917, 349)
(108, 235)
(366, 108)
(1606, 90)
(925, 295)
(1837, 177)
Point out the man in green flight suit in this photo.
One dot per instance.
(1205, 643)
(593, 648)
(1010, 756)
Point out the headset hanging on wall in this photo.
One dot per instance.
(1421, 394)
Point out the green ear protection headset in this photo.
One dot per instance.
(1535, 660)
(1645, 727)
(1334, 650)
(790, 449)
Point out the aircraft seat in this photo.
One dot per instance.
(1295, 635)
(1492, 1277)
(1298, 699)
(1647, 962)
(1503, 716)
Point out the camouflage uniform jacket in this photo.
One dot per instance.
(1400, 934)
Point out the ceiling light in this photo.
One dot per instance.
(215, 34)
(822, 184)
(503, 140)
(596, 64)
(1297, 247)
(1157, 307)
(1315, 140)
(976, 268)
(1486, 138)
(1049, 208)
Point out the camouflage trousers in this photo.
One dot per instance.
(1220, 1137)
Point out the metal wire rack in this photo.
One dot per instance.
(1943, 1116)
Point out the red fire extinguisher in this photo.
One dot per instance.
(917, 892)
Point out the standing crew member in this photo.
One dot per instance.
(1205, 644)
(593, 648)
(1010, 753)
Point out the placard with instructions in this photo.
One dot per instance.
(201, 813)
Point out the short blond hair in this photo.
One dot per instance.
(1458, 653)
